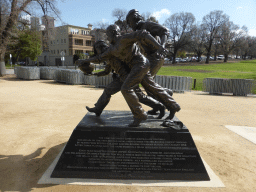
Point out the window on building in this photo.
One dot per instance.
(61, 40)
(78, 41)
(88, 43)
(64, 40)
(54, 42)
(53, 51)
(74, 31)
(78, 51)
(58, 52)
(65, 51)
(57, 41)
(51, 42)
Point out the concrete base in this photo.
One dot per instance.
(46, 179)
(248, 133)
(28, 73)
(47, 72)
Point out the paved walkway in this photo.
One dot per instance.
(38, 117)
(9, 71)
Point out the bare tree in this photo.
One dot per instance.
(120, 15)
(230, 38)
(99, 32)
(212, 23)
(181, 26)
(197, 41)
(149, 17)
(248, 46)
(15, 8)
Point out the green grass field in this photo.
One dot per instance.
(240, 70)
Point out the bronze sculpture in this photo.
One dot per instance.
(136, 22)
(115, 86)
(125, 49)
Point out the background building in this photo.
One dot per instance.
(35, 23)
(48, 20)
(68, 39)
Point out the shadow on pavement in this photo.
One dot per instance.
(21, 173)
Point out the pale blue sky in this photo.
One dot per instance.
(82, 12)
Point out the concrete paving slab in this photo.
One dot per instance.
(46, 179)
(248, 133)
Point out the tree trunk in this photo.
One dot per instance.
(207, 57)
(174, 57)
(245, 55)
(198, 56)
(2, 63)
(226, 58)
(215, 56)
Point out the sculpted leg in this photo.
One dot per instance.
(111, 89)
(135, 76)
(151, 102)
(161, 95)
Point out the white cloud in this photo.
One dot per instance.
(239, 8)
(159, 14)
(104, 20)
(26, 17)
(252, 32)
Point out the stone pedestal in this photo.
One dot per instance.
(105, 148)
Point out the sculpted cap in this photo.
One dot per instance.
(130, 13)
(112, 28)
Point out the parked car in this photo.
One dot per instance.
(20, 63)
(211, 58)
(178, 60)
(166, 60)
(192, 59)
(184, 60)
(220, 57)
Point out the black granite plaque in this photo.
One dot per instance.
(105, 148)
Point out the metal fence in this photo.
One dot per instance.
(77, 77)
(175, 83)
(240, 87)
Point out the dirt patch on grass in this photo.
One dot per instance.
(196, 70)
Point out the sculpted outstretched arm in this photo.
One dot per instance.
(105, 72)
(148, 38)
(101, 57)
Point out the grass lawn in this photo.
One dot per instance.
(241, 70)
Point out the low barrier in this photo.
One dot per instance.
(77, 77)
(48, 72)
(176, 83)
(239, 87)
(69, 76)
(28, 73)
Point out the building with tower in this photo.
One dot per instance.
(69, 39)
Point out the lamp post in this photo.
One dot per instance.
(62, 53)
(11, 59)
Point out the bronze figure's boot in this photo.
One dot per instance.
(154, 111)
(175, 109)
(94, 110)
(101, 104)
(162, 111)
(156, 105)
(136, 122)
